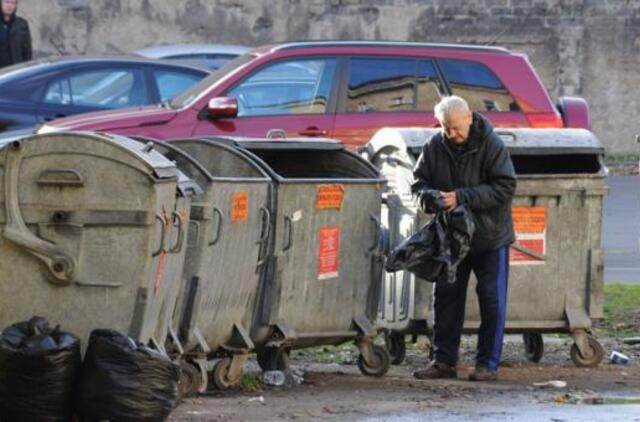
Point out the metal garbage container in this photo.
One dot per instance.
(226, 250)
(93, 230)
(556, 275)
(322, 274)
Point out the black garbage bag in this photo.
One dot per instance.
(435, 251)
(38, 370)
(124, 380)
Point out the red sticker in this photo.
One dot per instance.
(329, 252)
(530, 224)
(163, 254)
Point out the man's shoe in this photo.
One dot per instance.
(436, 370)
(482, 373)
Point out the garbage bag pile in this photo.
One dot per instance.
(125, 380)
(43, 378)
(38, 370)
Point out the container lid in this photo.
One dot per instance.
(251, 143)
(520, 141)
(152, 161)
(550, 141)
(162, 167)
(303, 159)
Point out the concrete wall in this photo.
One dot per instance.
(588, 48)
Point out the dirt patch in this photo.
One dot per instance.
(336, 390)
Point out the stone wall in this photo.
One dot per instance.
(588, 48)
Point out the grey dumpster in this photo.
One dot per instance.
(323, 272)
(556, 275)
(93, 230)
(227, 246)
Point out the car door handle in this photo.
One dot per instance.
(313, 131)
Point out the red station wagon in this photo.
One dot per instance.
(344, 90)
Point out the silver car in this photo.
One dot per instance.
(212, 56)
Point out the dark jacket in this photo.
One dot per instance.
(19, 46)
(482, 176)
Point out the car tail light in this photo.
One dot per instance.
(545, 120)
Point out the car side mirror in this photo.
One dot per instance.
(223, 107)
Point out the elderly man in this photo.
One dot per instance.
(467, 164)
(15, 37)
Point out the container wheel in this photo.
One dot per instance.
(396, 347)
(219, 377)
(381, 363)
(533, 346)
(189, 381)
(596, 355)
(273, 359)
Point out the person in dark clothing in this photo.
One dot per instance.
(15, 37)
(467, 163)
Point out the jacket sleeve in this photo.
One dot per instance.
(28, 53)
(501, 182)
(421, 187)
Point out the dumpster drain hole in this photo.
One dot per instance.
(59, 217)
(58, 267)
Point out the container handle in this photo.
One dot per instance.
(60, 264)
(60, 177)
(162, 235)
(216, 211)
(376, 229)
(265, 231)
(289, 225)
(180, 241)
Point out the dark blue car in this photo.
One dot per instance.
(38, 91)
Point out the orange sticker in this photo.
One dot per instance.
(329, 197)
(529, 219)
(239, 207)
(329, 252)
(530, 225)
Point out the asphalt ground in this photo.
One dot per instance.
(621, 230)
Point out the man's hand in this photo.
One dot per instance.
(450, 200)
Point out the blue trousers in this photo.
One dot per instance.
(492, 272)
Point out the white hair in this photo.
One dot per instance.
(448, 104)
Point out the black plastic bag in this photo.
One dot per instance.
(124, 380)
(38, 370)
(435, 251)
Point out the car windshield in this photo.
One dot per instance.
(194, 92)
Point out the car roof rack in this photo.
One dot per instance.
(388, 44)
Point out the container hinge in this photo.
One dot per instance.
(61, 265)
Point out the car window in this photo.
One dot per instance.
(171, 83)
(205, 84)
(21, 90)
(477, 84)
(429, 90)
(99, 88)
(288, 87)
(381, 85)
